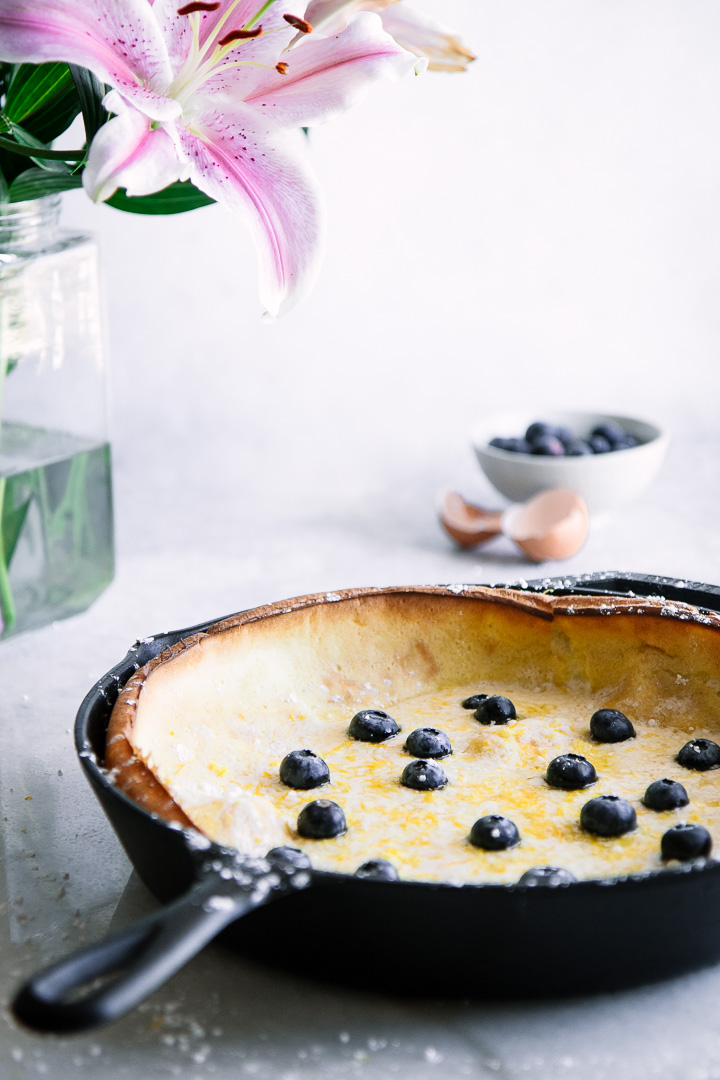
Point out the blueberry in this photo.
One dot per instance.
(289, 858)
(610, 725)
(577, 448)
(625, 443)
(428, 742)
(570, 772)
(665, 795)
(303, 769)
(540, 430)
(686, 842)
(320, 820)
(474, 701)
(564, 434)
(377, 870)
(599, 444)
(372, 725)
(546, 876)
(699, 754)
(494, 833)
(610, 431)
(511, 445)
(495, 710)
(608, 815)
(547, 446)
(424, 776)
(518, 446)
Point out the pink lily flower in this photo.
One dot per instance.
(415, 31)
(213, 91)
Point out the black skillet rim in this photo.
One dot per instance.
(706, 598)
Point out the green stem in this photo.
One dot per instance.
(39, 489)
(7, 603)
(41, 151)
(78, 470)
(70, 520)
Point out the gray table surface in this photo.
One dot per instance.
(67, 881)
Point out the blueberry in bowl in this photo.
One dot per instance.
(608, 460)
(547, 446)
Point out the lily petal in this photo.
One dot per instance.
(415, 31)
(261, 174)
(331, 16)
(127, 152)
(118, 41)
(327, 75)
(425, 36)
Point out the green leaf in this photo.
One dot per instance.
(175, 199)
(34, 183)
(43, 98)
(90, 92)
(4, 193)
(11, 521)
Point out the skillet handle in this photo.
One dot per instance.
(139, 959)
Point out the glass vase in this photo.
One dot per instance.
(56, 532)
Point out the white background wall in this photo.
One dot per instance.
(542, 230)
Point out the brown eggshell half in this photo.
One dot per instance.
(552, 525)
(468, 525)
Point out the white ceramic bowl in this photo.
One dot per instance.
(605, 481)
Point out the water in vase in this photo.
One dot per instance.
(56, 529)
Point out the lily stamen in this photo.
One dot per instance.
(198, 5)
(240, 35)
(298, 24)
(281, 67)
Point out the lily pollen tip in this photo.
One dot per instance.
(299, 24)
(240, 35)
(198, 5)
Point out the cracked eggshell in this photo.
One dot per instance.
(553, 525)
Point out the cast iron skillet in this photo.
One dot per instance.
(474, 940)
